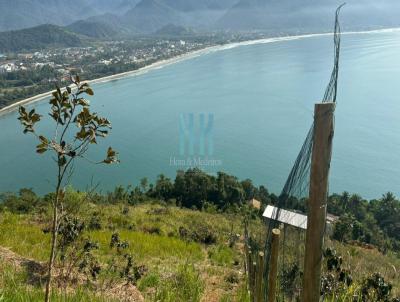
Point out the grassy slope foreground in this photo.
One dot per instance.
(176, 268)
(182, 255)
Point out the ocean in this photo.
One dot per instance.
(255, 103)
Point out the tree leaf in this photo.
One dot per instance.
(111, 157)
(43, 139)
(41, 150)
(89, 91)
(83, 102)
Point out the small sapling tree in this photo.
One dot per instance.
(76, 128)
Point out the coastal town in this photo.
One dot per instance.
(29, 73)
(26, 74)
(68, 60)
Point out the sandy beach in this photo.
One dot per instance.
(156, 65)
(186, 56)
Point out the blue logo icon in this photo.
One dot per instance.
(196, 137)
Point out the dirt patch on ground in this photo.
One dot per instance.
(126, 293)
(37, 276)
(36, 270)
(213, 292)
(18, 261)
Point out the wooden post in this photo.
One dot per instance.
(259, 295)
(250, 273)
(253, 278)
(250, 264)
(321, 157)
(246, 257)
(273, 265)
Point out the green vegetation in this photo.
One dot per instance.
(338, 283)
(221, 255)
(41, 63)
(373, 222)
(13, 288)
(185, 285)
(173, 30)
(169, 246)
(95, 29)
(68, 108)
(175, 266)
(97, 59)
(178, 240)
(18, 85)
(366, 223)
(37, 38)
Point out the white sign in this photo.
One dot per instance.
(287, 217)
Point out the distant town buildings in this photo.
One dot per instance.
(66, 60)
(28, 73)
(8, 67)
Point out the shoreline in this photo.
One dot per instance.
(105, 79)
(186, 56)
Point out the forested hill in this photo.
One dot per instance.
(374, 222)
(38, 37)
(94, 29)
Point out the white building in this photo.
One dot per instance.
(8, 67)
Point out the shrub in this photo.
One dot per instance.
(337, 280)
(185, 285)
(221, 255)
(94, 222)
(25, 202)
(158, 211)
(201, 234)
(151, 280)
(69, 231)
(374, 288)
(152, 230)
(232, 277)
(125, 210)
(204, 235)
(291, 279)
(210, 208)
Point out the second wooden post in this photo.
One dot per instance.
(273, 266)
(320, 163)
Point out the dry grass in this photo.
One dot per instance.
(362, 262)
(163, 252)
(153, 233)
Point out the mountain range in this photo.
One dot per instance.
(309, 15)
(110, 19)
(18, 14)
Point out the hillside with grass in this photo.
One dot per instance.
(180, 254)
(113, 249)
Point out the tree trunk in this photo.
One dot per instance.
(54, 232)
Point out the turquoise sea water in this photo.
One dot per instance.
(261, 97)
